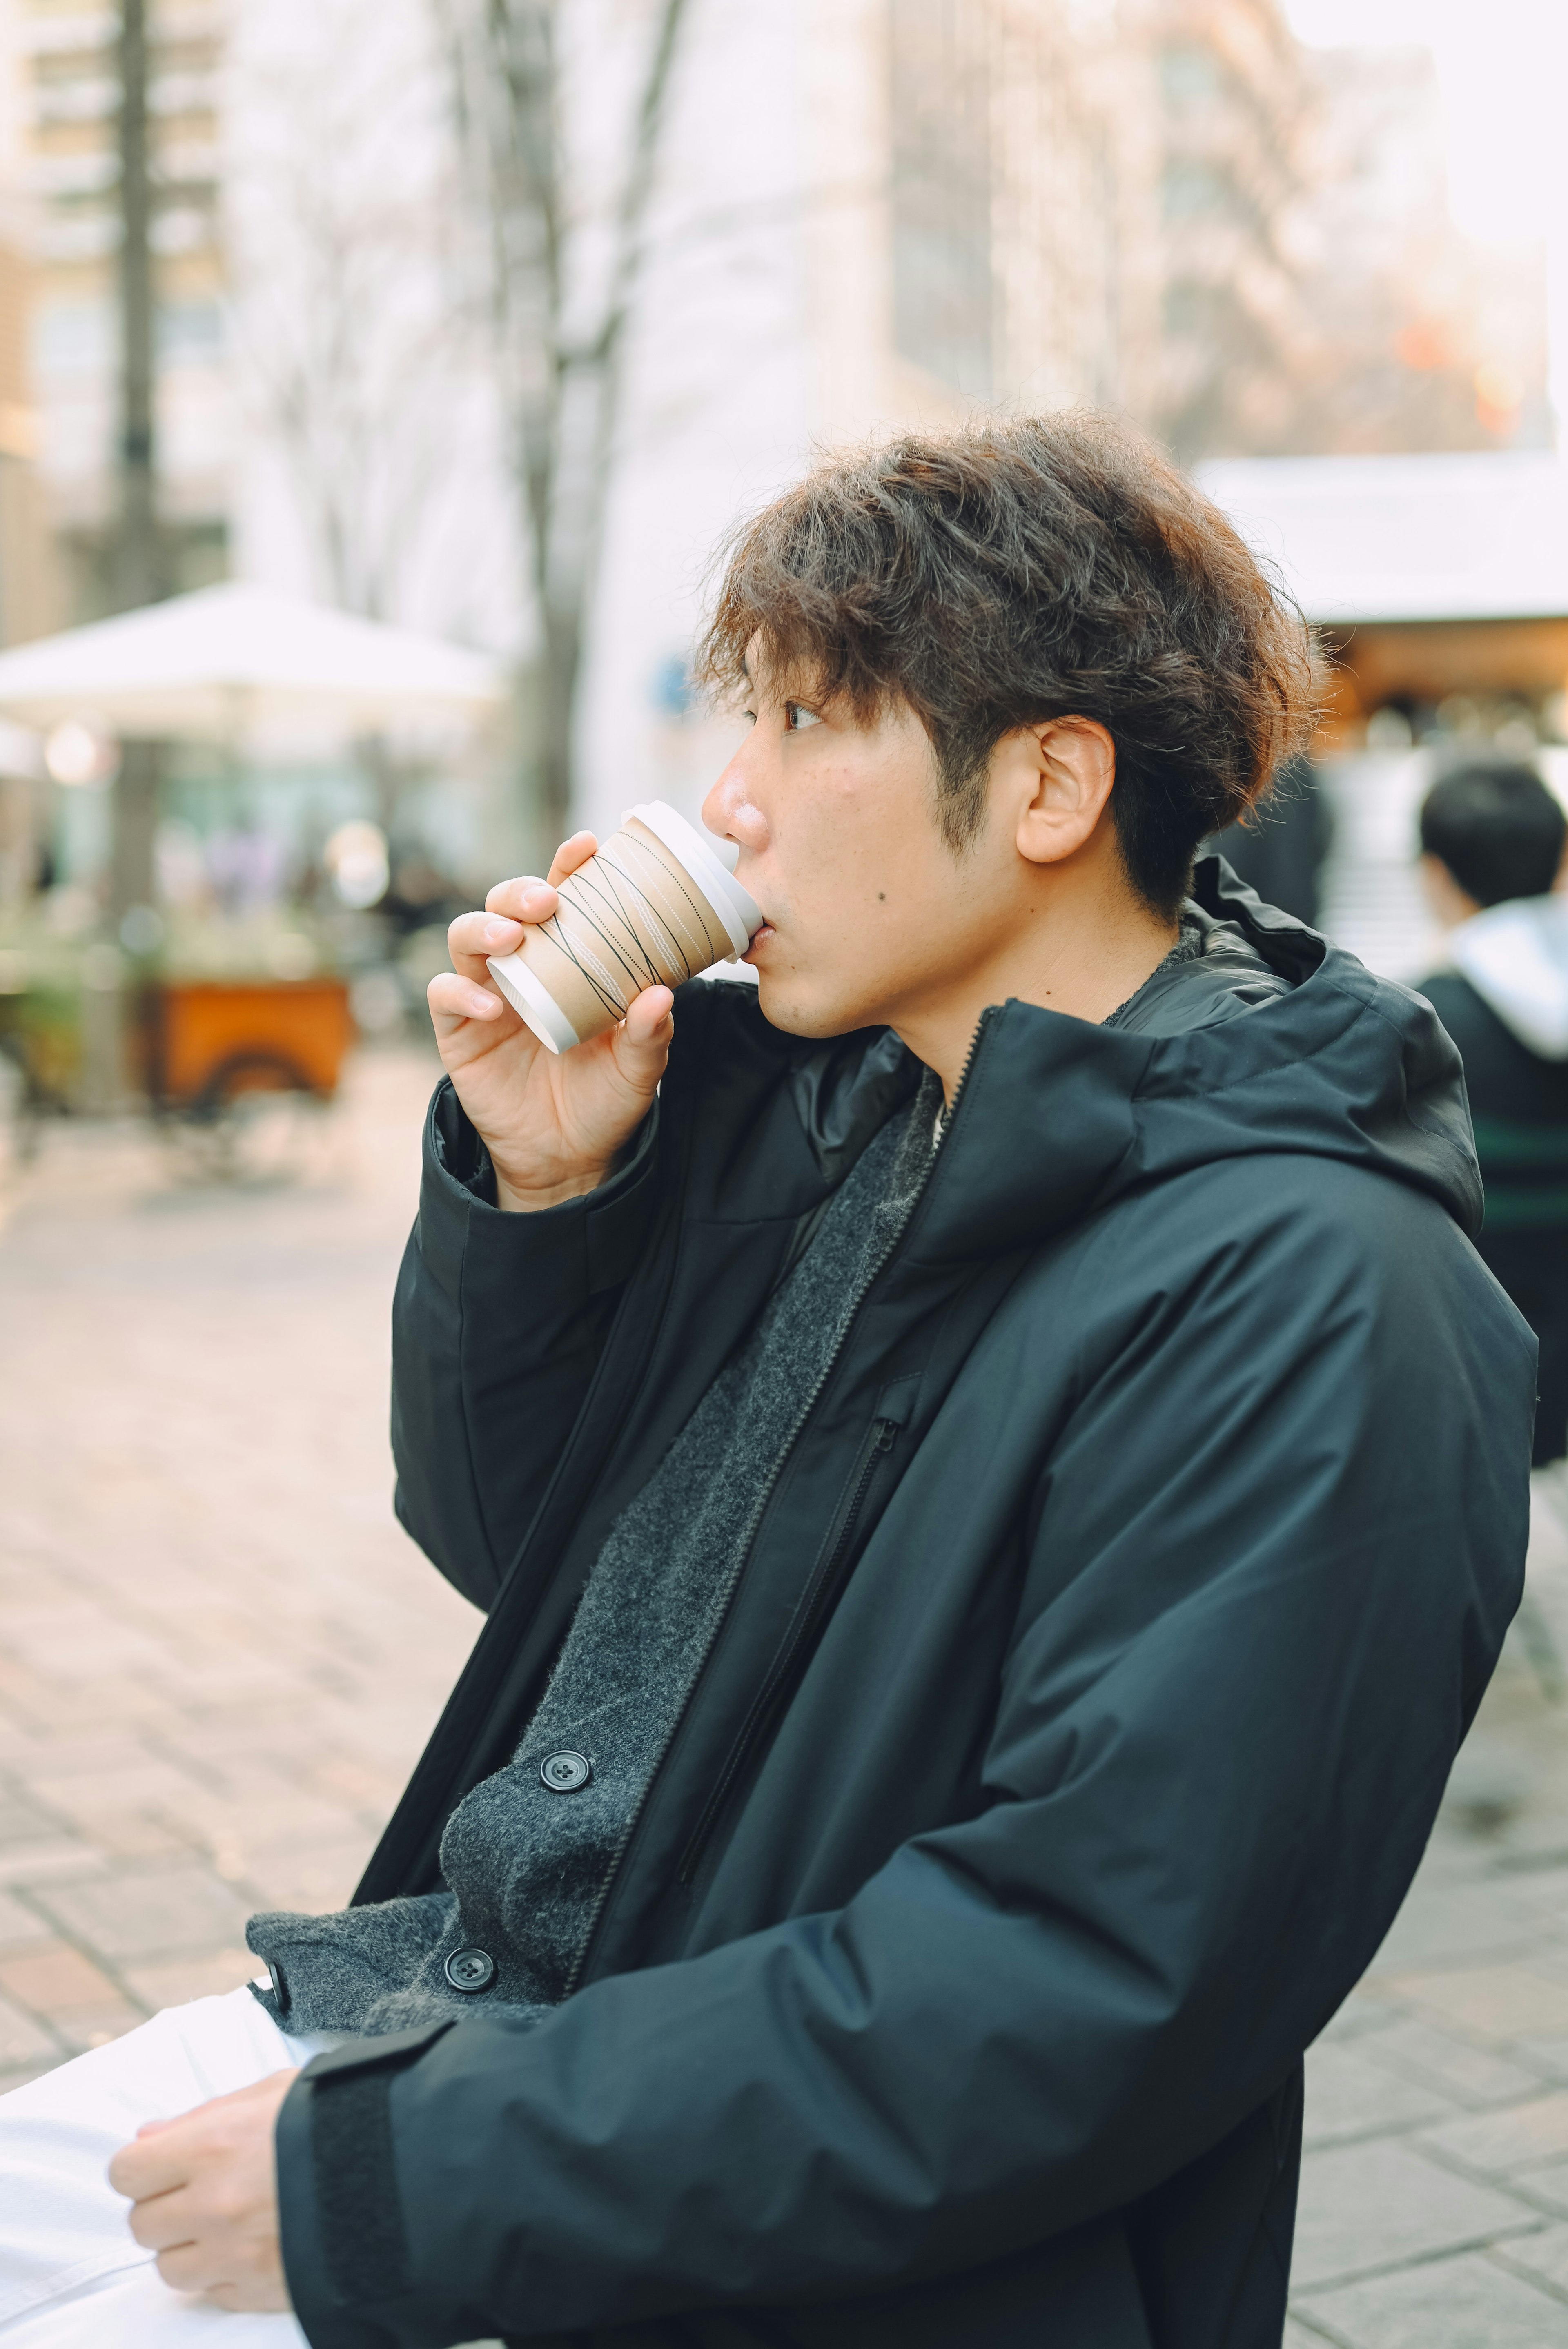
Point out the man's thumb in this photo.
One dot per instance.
(642, 1045)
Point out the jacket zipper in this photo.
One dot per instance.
(743, 1554)
(816, 1606)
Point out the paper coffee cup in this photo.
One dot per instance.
(652, 906)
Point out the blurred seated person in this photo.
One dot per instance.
(1492, 855)
(420, 896)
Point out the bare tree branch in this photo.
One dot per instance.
(563, 388)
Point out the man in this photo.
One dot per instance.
(1491, 848)
(997, 1480)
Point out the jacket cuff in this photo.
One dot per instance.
(340, 2213)
(588, 1244)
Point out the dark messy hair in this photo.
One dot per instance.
(1012, 572)
(1498, 829)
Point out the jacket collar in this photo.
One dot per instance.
(1056, 1117)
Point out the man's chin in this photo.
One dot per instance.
(797, 1012)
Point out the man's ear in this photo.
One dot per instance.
(1057, 775)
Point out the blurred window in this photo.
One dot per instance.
(1186, 306)
(1191, 186)
(190, 331)
(72, 335)
(1188, 75)
(82, 337)
(944, 292)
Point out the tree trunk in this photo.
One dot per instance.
(138, 565)
(556, 705)
(131, 880)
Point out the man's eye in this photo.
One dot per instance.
(797, 716)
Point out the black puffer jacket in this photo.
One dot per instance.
(1071, 1739)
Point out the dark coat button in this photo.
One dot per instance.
(470, 1970)
(564, 1773)
(280, 1987)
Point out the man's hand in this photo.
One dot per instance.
(553, 1124)
(205, 2194)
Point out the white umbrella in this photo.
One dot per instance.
(219, 662)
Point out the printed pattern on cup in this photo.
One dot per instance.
(640, 913)
(631, 919)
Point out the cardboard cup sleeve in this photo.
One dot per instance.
(652, 906)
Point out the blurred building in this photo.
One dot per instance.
(29, 598)
(1215, 106)
(1003, 228)
(1313, 292)
(70, 102)
(1421, 342)
(28, 584)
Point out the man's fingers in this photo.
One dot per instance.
(529, 899)
(472, 938)
(648, 1017)
(160, 2222)
(641, 1044)
(149, 2165)
(185, 2267)
(571, 854)
(251, 2299)
(496, 931)
(452, 996)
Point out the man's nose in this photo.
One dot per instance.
(730, 808)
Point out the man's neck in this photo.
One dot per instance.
(1089, 952)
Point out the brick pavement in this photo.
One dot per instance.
(1434, 2211)
(219, 1652)
(219, 1656)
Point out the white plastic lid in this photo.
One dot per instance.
(532, 1002)
(736, 908)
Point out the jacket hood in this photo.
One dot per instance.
(1056, 1117)
(1515, 956)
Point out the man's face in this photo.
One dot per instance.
(870, 915)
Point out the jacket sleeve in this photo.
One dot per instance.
(496, 1330)
(1263, 1580)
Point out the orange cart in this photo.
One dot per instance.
(209, 1041)
(237, 1072)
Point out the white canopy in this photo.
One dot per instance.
(225, 660)
(1465, 537)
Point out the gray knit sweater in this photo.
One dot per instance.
(526, 1866)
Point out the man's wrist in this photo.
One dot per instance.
(516, 1198)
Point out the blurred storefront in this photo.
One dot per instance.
(1441, 587)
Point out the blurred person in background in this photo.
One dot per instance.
(1280, 847)
(998, 1483)
(1492, 839)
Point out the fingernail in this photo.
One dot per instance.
(498, 933)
